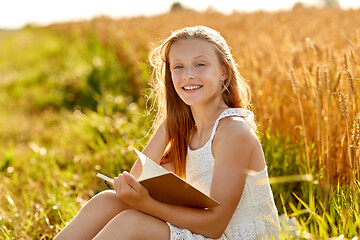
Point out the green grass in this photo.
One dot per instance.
(60, 125)
(69, 109)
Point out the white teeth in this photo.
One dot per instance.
(191, 87)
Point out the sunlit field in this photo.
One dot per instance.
(75, 98)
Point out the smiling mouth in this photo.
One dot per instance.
(191, 87)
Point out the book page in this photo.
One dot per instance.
(150, 168)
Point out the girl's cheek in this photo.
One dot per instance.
(200, 71)
(173, 77)
(176, 77)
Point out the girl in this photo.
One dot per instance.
(207, 136)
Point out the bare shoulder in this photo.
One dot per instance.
(235, 129)
(235, 139)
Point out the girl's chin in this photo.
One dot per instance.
(193, 103)
(201, 100)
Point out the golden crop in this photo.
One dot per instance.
(302, 66)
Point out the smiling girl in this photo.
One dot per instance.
(205, 135)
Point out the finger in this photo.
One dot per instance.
(131, 181)
(117, 184)
(125, 187)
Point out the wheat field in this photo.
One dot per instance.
(305, 57)
(73, 99)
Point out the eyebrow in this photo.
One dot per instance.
(200, 56)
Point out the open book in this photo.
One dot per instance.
(167, 187)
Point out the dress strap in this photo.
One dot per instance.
(246, 114)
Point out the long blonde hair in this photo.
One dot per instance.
(179, 120)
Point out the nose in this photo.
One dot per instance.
(188, 74)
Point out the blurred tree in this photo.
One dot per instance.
(330, 3)
(298, 5)
(176, 6)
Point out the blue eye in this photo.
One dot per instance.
(178, 67)
(200, 65)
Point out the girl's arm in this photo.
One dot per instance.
(154, 149)
(234, 146)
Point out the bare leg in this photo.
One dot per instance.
(134, 225)
(93, 216)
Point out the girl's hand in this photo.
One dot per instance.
(130, 191)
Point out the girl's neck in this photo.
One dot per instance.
(205, 117)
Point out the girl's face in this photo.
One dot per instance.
(196, 71)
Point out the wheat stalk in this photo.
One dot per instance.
(356, 144)
(318, 112)
(344, 111)
(296, 90)
(352, 54)
(328, 134)
(337, 82)
(346, 65)
(351, 91)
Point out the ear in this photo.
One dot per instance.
(224, 74)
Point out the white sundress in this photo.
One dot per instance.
(256, 215)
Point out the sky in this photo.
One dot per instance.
(17, 13)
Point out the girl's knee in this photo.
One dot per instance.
(107, 199)
(104, 196)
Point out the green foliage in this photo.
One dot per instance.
(5, 162)
(72, 114)
(280, 157)
(322, 210)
